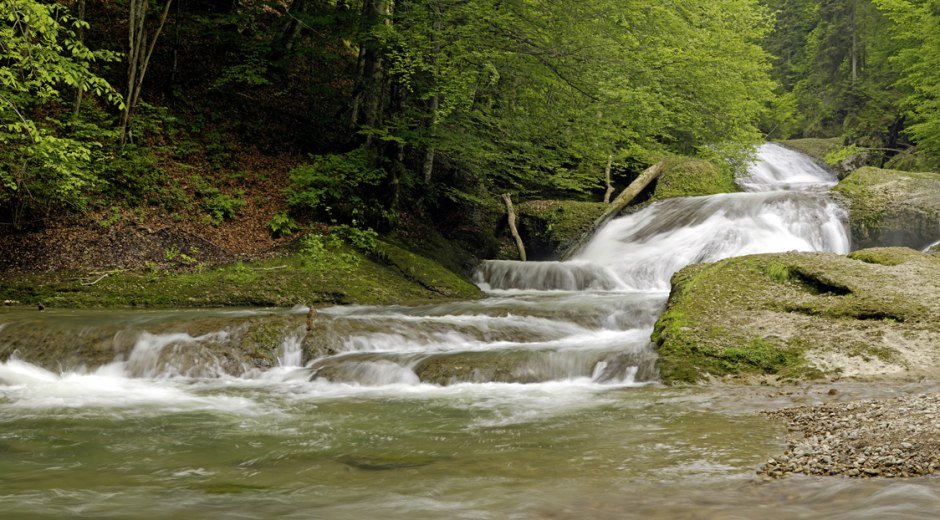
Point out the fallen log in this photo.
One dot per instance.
(622, 201)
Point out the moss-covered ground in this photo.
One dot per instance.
(688, 177)
(389, 275)
(797, 316)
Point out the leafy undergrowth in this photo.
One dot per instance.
(340, 275)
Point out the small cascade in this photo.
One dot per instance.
(583, 321)
(546, 276)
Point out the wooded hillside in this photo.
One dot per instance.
(383, 114)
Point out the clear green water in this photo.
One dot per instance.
(286, 448)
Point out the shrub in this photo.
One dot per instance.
(333, 186)
(365, 240)
(221, 206)
(282, 225)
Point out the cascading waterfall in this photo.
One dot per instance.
(519, 405)
(584, 321)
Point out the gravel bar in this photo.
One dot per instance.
(896, 437)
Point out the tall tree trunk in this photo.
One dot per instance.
(436, 26)
(854, 29)
(80, 92)
(138, 57)
(370, 95)
(291, 28)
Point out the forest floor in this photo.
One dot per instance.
(123, 236)
(180, 254)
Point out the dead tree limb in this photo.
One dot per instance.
(511, 214)
(622, 201)
(610, 187)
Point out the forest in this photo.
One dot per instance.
(469, 259)
(383, 113)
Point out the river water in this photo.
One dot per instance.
(539, 401)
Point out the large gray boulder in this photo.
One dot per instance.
(795, 316)
(892, 208)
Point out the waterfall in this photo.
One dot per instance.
(586, 321)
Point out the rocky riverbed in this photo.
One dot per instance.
(893, 437)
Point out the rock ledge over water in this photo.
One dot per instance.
(797, 316)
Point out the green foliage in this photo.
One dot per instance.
(336, 186)
(840, 155)
(313, 248)
(221, 206)
(324, 252)
(42, 165)
(364, 240)
(282, 225)
(916, 30)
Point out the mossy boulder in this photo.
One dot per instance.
(817, 148)
(796, 316)
(688, 177)
(891, 207)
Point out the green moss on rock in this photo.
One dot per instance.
(549, 227)
(892, 208)
(799, 316)
(816, 148)
(688, 177)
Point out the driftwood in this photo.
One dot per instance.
(511, 213)
(622, 201)
(102, 277)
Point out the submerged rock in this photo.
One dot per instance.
(803, 315)
(892, 208)
(200, 347)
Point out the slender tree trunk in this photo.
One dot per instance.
(138, 57)
(610, 186)
(368, 105)
(291, 28)
(436, 27)
(511, 215)
(80, 92)
(854, 29)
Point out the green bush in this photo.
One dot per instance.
(221, 206)
(336, 186)
(282, 225)
(365, 240)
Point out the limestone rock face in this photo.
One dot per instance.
(803, 316)
(892, 208)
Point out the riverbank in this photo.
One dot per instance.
(312, 274)
(892, 437)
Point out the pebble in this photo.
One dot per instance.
(883, 438)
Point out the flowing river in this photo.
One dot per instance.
(539, 401)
